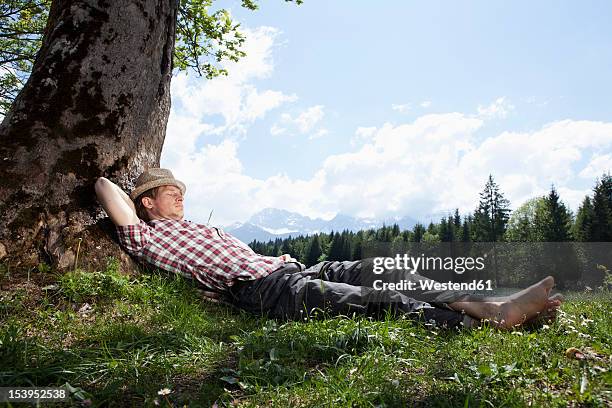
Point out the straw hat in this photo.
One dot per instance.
(155, 177)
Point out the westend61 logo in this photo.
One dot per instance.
(427, 263)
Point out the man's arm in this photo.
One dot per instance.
(116, 203)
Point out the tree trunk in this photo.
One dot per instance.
(96, 104)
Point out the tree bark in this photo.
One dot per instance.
(96, 104)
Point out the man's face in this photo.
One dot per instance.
(167, 205)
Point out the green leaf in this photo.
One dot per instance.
(485, 370)
(229, 379)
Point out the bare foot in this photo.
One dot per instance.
(549, 314)
(508, 312)
(526, 305)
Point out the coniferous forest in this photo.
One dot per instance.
(541, 222)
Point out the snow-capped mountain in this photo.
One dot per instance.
(272, 223)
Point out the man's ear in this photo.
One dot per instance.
(147, 202)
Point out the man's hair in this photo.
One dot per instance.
(141, 210)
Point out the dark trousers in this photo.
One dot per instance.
(337, 288)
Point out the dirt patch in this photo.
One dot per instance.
(28, 289)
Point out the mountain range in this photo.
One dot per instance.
(271, 223)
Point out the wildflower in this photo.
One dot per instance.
(164, 391)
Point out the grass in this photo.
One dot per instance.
(117, 340)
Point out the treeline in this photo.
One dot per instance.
(541, 219)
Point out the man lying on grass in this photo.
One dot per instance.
(154, 231)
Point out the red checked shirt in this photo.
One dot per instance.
(210, 255)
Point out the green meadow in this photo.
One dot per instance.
(152, 340)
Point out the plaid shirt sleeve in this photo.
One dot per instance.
(134, 238)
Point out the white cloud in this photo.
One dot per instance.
(234, 97)
(319, 133)
(257, 104)
(500, 108)
(181, 137)
(538, 102)
(308, 119)
(572, 197)
(400, 168)
(425, 104)
(429, 166)
(304, 122)
(401, 108)
(526, 164)
(598, 165)
(277, 130)
(258, 62)
(363, 134)
(215, 181)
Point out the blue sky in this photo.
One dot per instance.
(397, 108)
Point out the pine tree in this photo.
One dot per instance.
(491, 216)
(553, 225)
(287, 249)
(457, 220)
(276, 249)
(418, 232)
(432, 228)
(558, 219)
(335, 248)
(327, 242)
(444, 231)
(357, 250)
(395, 231)
(384, 234)
(346, 247)
(581, 229)
(465, 229)
(314, 251)
(601, 226)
